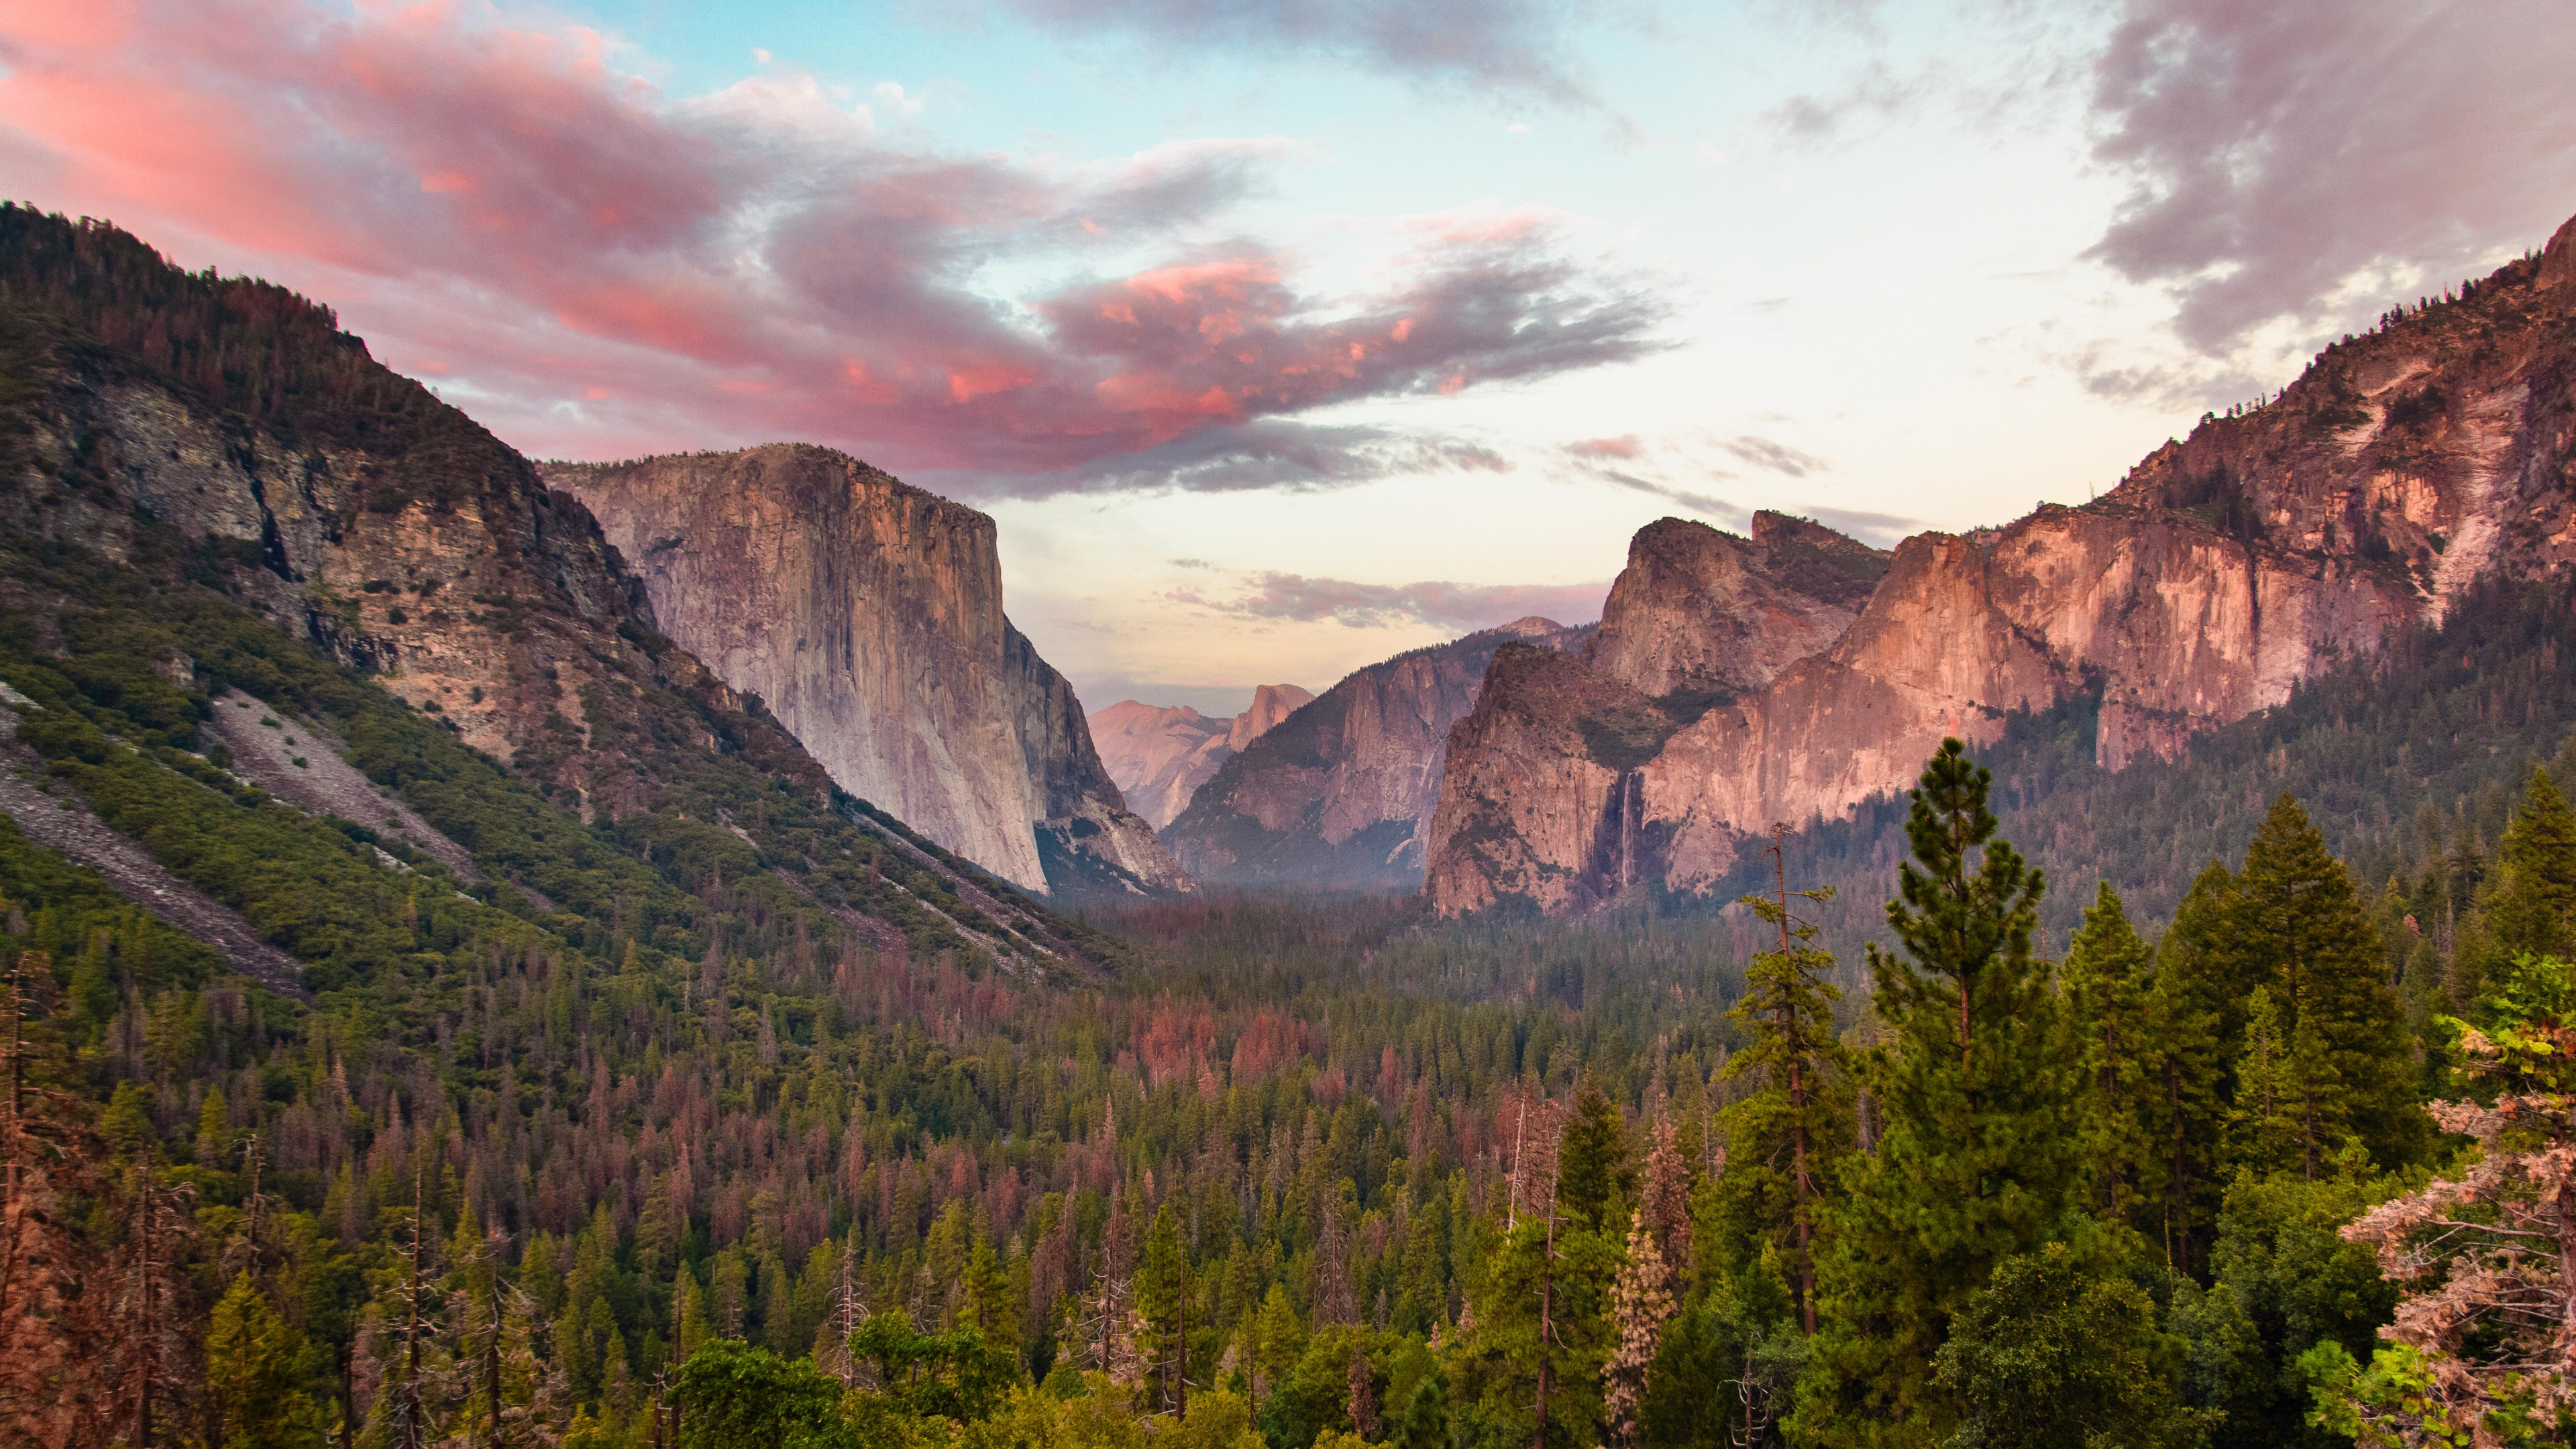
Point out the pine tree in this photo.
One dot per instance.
(2109, 994)
(253, 1383)
(1162, 1285)
(1664, 1198)
(2197, 1013)
(1541, 1336)
(2305, 937)
(1785, 1141)
(2263, 1128)
(1272, 1341)
(2532, 906)
(1976, 1162)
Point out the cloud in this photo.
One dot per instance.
(1624, 446)
(1464, 607)
(1881, 530)
(600, 269)
(1504, 47)
(1694, 501)
(1876, 94)
(2303, 159)
(1775, 457)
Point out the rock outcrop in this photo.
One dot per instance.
(866, 615)
(1700, 612)
(1340, 794)
(1544, 797)
(1160, 755)
(2401, 466)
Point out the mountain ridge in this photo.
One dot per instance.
(2401, 467)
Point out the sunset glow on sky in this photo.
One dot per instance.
(1286, 335)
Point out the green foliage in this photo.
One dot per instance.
(734, 1396)
(2058, 1353)
(953, 1375)
(254, 1383)
(2110, 999)
(2285, 1281)
(1977, 1162)
(2198, 1008)
(2311, 947)
(1785, 1141)
(2533, 903)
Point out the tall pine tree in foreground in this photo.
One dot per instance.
(1977, 1161)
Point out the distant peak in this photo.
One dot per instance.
(1530, 626)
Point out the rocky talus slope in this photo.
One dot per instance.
(1161, 754)
(1340, 794)
(2227, 567)
(866, 615)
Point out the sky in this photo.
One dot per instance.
(1280, 336)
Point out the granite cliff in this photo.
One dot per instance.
(2225, 568)
(1542, 799)
(221, 444)
(1160, 755)
(866, 615)
(1340, 794)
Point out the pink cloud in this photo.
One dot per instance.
(755, 264)
(1625, 446)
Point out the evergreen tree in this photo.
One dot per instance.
(1543, 1336)
(2533, 903)
(2298, 925)
(1785, 1141)
(2057, 1353)
(253, 1381)
(2196, 1012)
(1593, 1176)
(1273, 1341)
(1976, 1162)
(1162, 1281)
(2110, 995)
(2264, 1130)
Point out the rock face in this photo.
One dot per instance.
(436, 558)
(1544, 796)
(2223, 570)
(1160, 755)
(1701, 612)
(866, 614)
(1340, 794)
